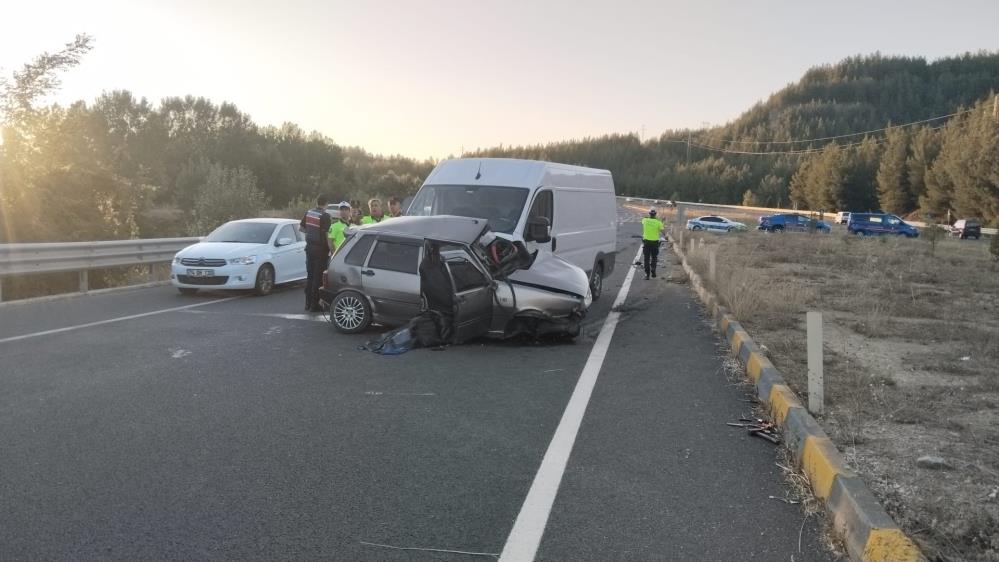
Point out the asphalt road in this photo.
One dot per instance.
(244, 429)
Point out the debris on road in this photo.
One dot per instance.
(933, 463)
(785, 500)
(759, 428)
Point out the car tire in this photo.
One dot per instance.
(265, 280)
(597, 281)
(777, 228)
(187, 291)
(696, 227)
(350, 312)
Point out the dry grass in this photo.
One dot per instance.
(911, 355)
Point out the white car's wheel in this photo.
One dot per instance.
(265, 280)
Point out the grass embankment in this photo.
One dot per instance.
(911, 364)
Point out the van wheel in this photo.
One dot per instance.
(777, 228)
(350, 312)
(597, 281)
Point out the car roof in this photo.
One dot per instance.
(441, 227)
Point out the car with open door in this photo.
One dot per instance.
(388, 273)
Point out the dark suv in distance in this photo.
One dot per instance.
(874, 224)
(967, 228)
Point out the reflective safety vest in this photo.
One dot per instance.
(368, 219)
(337, 233)
(651, 228)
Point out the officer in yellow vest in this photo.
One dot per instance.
(337, 233)
(375, 206)
(652, 228)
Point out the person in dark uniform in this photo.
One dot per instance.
(316, 226)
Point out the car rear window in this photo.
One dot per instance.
(395, 256)
(360, 251)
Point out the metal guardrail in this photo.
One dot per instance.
(688, 204)
(61, 257)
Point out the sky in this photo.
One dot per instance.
(434, 77)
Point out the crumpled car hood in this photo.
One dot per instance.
(553, 272)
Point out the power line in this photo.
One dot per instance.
(812, 150)
(803, 141)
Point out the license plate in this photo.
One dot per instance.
(201, 272)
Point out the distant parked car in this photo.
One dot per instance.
(244, 254)
(714, 223)
(842, 217)
(875, 224)
(967, 228)
(792, 222)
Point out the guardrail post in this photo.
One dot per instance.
(816, 401)
(1, 289)
(84, 281)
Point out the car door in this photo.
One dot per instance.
(391, 279)
(893, 224)
(289, 259)
(473, 292)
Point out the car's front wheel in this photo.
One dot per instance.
(265, 280)
(696, 227)
(350, 312)
(777, 228)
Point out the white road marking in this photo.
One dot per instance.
(309, 317)
(380, 393)
(523, 541)
(113, 320)
(178, 353)
(273, 330)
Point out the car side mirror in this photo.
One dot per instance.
(538, 230)
(282, 242)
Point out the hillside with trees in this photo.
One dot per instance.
(911, 136)
(122, 167)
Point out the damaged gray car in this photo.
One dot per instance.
(476, 283)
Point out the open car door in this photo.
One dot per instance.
(455, 287)
(473, 296)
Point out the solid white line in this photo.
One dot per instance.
(523, 541)
(113, 320)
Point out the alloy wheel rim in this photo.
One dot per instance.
(349, 313)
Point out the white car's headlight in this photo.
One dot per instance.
(245, 260)
(588, 300)
(176, 259)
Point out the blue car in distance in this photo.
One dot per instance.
(791, 222)
(874, 224)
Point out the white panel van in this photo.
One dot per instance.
(554, 208)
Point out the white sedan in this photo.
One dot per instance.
(245, 254)
(714, 223)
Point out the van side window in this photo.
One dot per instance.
(359, 252)
(395, 256)
(543, 206)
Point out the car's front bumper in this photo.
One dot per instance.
(225, 277)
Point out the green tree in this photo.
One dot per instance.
(894, 193)
(228, 194)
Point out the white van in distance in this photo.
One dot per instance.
(554, 208)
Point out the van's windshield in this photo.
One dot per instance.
(501, 206)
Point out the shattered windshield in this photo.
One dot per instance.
(500, 206)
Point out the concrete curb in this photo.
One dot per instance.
(869, 532)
